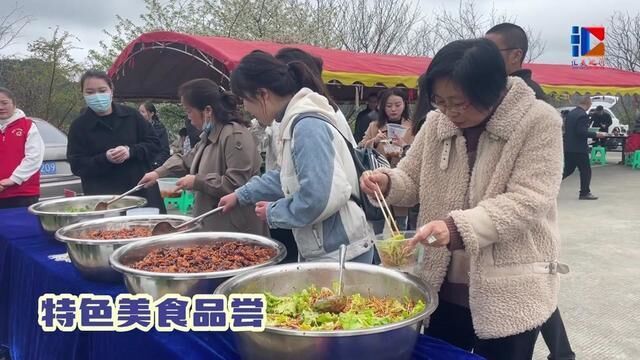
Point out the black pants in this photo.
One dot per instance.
(18, 201)
(555, 336)
(285, 236)
(581, 161)
(452, 323)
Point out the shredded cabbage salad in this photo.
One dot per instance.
(296, 311)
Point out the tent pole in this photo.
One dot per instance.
(357, 96)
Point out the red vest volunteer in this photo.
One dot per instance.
(22, 151)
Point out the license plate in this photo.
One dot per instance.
(48, 168)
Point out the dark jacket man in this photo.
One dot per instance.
(577, 131)
(525, 74)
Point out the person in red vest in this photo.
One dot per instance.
(22, 151)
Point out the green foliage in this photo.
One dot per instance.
(45, 83)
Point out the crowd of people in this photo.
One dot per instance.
(479, 165)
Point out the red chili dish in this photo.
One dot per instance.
(205, 258)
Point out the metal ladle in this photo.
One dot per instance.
(164, 227)
(336, 303)
(102, 205)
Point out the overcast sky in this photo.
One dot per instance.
(87, 19)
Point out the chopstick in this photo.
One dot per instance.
(386, 211)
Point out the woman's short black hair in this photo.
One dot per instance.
(200, 93)
(182, 132)
(93, 73)
(383, 118)
(8, 93)
(262, 70)
(148, 105)
(475, 66)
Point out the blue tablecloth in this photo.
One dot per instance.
(26, 272)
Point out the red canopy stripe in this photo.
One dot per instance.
(390, 70)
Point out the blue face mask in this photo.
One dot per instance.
(208, 128)
(99, 103)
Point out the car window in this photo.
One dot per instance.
(49, 133)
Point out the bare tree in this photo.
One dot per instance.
(466, 22)
(376, 26)
(623, 41)
(537, 45)
(423, 40)
(11, 25)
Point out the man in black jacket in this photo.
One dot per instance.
(364, 119)
(192, 133)
(513, 44)
(576, 149)
(601, 119)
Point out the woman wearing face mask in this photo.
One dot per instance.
(149, 113)
(486, 168)
(313, 189)
(224, 159)
(21, 154)
(110, 146)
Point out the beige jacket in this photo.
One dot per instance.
(505, 209)
(222, 162)
(368, 141)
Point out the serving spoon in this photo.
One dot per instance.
(164, 227)
(335, 303)
(104, 205)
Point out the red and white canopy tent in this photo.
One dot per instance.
(156, 63)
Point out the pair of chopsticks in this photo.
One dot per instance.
(386, 211)
(388, 216)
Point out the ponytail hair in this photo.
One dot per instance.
(262, 70)
(148, 105)
(200, 93)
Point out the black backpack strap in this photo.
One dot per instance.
(323, 118)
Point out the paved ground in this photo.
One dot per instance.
(600, 297)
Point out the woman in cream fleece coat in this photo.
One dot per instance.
(486, 169)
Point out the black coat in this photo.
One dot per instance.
(576, 131)
(192, 132)
(602, 121)
(362, 124)
(90, 136)
(525, 74)
(163, 136)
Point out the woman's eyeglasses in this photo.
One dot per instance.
(450, 108)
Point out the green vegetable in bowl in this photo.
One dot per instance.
(77, 209)
(296, 311)
(395, 251)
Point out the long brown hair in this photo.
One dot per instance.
(383, 118)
